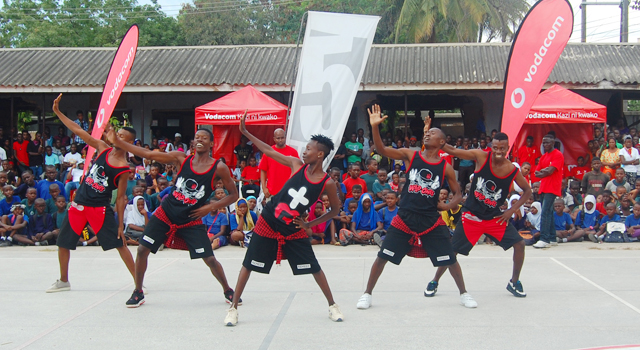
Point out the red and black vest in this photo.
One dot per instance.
(98, 184)
(488, 191)
(421, 190)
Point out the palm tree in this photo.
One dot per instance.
(457, 20)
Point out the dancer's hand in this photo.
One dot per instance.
(505, 217)
(200, 212)
(427, 123)
(243, 126)
(110, 134)
(56, 104)
(301, 223)
(121, 234)
(375, 115)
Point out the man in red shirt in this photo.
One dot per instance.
(528, 153)
(273, 175)
(251, 178)
(577, 172)
(20, 151)
(354, 179)
(549, 172)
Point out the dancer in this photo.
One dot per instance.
(493, 179)
(281, 230)
(92, 200)
(178, 221)
(418, 227)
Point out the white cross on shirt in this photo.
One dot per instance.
(298, 197)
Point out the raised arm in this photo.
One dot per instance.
(175, 157)
(376, 118)
(479, 156)
(292, 162)
(76, 129)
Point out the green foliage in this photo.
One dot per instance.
(634, 105)
(24, 119)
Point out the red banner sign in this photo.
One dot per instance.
(538, 44)
(116, 79)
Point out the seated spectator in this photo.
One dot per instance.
(251, 179)
(237, 172)
(381, 184)
(30, 202)
(578, 172)
(625, 208)
(567, 198)
(3, 182)
(607, 198)
(394, 185)
(135, 220)
(40, 229)
(54, 192)
(371, 175)
(578, 201)
(241, 222)
(618, 180)
(611, 216)
(532, 223)
(565, 229)
(217, 224)
(60, 214)
(535, 191)
(321, 233)
(152, 179)
(619, 194)
(50, 175)
(356, 193)
(252, 202)
(363, 222)
(27, 181)
(138, 191)
(632, 223)
(517, 219)
(8, 201)
(50, 158)
(588, 219)
(169, 173)
(12, 224)
(12, 176)
(88, 237)
(385, 215)
(354, 179)
(342, 189)
(74, 175)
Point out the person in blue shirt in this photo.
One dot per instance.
(241, 222)
(612, 216)
(363, 223)
(356, 191)
(565, 229)
(40, 227)
(50, 174)
(385, 215)
(8, 201)
(632, 222)
(217, 227)
(12, 226)
(588, 219)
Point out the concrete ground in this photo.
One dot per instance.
(580, 295)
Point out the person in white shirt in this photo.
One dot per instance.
(74, 175)
(630, 159)
(3, 156)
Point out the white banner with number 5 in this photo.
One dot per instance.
(334, 54)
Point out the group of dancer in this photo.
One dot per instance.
(417, 230)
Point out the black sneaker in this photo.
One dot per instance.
(516, 289)
(228, 297)
(431, 290)
(137, 299)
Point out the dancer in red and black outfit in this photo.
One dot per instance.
(178, 221)
(92, 200)
(492, 182)
(280, 231)
(418, 229)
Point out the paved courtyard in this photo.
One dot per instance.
(580, 295)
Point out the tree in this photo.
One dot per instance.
(73, 23)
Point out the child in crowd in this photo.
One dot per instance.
(395, 183)
(342, 189)
(3, 182)
(354, 180)
(611, 216)
(217, 224)
(606, 199)
(40, 229)
(152, 178)
(532, 224)
(577, 172)
(517, 219)
(363, 222)
(356, 193)
(385, 215)
(578, 200)
(50, 158)
(237, 172)
(60, 214)
(588, 219)
(252, 202)
(381, 184)
(241, 222)
(54, 192)
(8, 201)
(318, 234)
(618, 180)
(30, 201)
(251, 179)
(135, 219)
(12, 176)
(632, 223)
(565, 229)
(625, 208)
(12, 224)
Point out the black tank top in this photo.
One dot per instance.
(191, 191)
(296, 197)
(488, 191)
(421, 190)
(98, 184)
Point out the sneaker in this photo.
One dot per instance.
(335, 314)
(232, 317)
(377, 239)
(228, 297)
(553, 243)
(467, 300)
(541, 244)
(600, 238)
(431, 290)
(137, 299)
(558, 240)
(6, 244)
(516, 289)
(364, 302)
(59, 286)
(592, 237)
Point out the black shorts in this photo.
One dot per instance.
(262, 252)
(101, 219)
(437, 243)
(196, 238)
(462, 245)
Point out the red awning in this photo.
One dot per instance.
(558, 105)
(227, 110)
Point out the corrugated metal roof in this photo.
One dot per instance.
(271, 65)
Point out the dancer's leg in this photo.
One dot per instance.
(217, 271)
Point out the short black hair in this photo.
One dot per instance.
(501, 137)
(595, 158)
(208, 132)
(141, 181)
(334, 169)
(79, 112)
(325, 144)
(356, 187)
(607, 192)
(394, 193)
(131, 130)
(371, 159)
(530, 137)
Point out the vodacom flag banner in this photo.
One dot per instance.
(334, 55)
(538, 44)
(116, 79)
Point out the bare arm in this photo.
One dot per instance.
(291, 162)
(76, 129)
(121, 203)
(331, 191)
(175, 157)
(544, 172)
(526, 193)
(263, 181)
(376, 118)
(450, 175)
(477, 155)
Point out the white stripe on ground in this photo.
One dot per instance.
(266, 342)
(73, 317)
(598, 286)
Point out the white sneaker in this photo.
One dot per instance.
(59, 286)
(467, 300)
(232, 317)
(541, 244)
(335, 314)
(364, 302)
